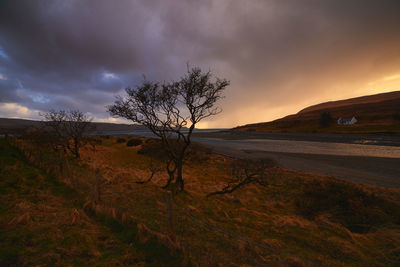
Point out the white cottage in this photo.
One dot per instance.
(346, 121)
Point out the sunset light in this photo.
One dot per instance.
(200, 133)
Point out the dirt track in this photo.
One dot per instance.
(368, 139)
(378, 171)
(375, 171)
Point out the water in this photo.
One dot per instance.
(306, 147)
(146, 132)
(365, 149)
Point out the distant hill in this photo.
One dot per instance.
(19, 124)
(375, 113)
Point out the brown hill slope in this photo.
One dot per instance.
(44, 221)
(375, 113)
(370, 99)
(296, 220)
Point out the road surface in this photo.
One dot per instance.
(372, 164)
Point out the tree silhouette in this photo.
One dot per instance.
(325, 119)
(68, 128)
(245, 172)
(172, 111)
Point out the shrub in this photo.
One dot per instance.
(152, 141)
(325, 119)
(354, 208)
(134, 142)
(121, 140)
(153, 148)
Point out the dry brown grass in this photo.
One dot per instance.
(261, 214)
(44, 222)
(233, 229)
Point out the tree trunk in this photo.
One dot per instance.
(171, 174)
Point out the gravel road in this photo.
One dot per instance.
(354, 166)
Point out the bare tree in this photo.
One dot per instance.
(171, 111)
(246, 172)
(68, 127)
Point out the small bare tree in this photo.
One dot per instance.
(246, 172)
(171, 111)
(68, 127)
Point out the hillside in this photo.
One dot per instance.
(7, 124)
(51, 218)
(375, 113)
(44, 222)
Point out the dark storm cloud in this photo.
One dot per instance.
(278, 54)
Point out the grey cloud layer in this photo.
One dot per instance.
(63, 54)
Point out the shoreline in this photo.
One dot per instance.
(367, 170)
(382, 139)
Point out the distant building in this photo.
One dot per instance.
(346, 121)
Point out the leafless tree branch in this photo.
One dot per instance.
(171, 111)
(246, 172)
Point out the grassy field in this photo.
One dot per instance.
(43, 222)
(50, 215)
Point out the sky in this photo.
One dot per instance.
(279, 55)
